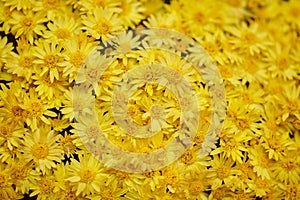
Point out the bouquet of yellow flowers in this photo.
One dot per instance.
(150, 99)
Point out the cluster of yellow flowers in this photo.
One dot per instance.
(56, 77)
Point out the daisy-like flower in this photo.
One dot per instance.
(280, 63)
(42, 149)
(11, 101)
(287, 169)
(69, 144)
(260, 161)
(247, 39)
(289, 101)
(50, 8)
(62, 29)
(124, 44)
(131, 13)
(35, 110)
(29, 24)
(52, 91)
(5, 49)
(77, 102)
(77, 49)
(43, 187)
(85, 175)
(276, 144)
(5, 15)
(101, 23)
(233, 146)
(62, 187)
(21, 63)
(195, 184)
(110, 191)
(19, 5)
(10, 134)
(243, 118)
(23, 174)
(89, 5)
(88, 129)
(6, 183)
(222, 171)
(49, 58)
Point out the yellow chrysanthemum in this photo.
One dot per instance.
(41, 147)
(85, 175)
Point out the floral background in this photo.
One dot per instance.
(254, 44)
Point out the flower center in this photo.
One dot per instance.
(242, 124)
(46, 186)
(87, 175)
(78, 105)
(51, 60)
(249, 38)
(36, 109)
(103, 27)
(62, 33)
(223, 172)
(50, 3)
(20, 172)
(77, 59)
(26, 62)
(3, 180)
(70, 196)
(5, 131)
(196, 187)
(107, 195)
(199, 17)
(40, 150)
(289, 165)
(174, 77)
(17, 111)
(188, 157)
(27, 21)
(93, 132)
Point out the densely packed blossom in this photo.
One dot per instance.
(53, 80)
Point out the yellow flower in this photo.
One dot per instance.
(35, 109)
(287, 169)
(248, 40)
(62, 29)
(6, 182)
(233, 146)
(88, 5)
(50, 90)
(5, 15)
(22, 63)
(40, 147)
(101, 23)
(77, 49)
(280, 63)
(43, 187)
(50, 8)
(260, 161)
(49, 58)
(29, 24)
(85, 175)
(77, 102)
(5, 50)
(131, 13)
(23, 174)
(11, 103)
(10, 134)
(222, 171)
